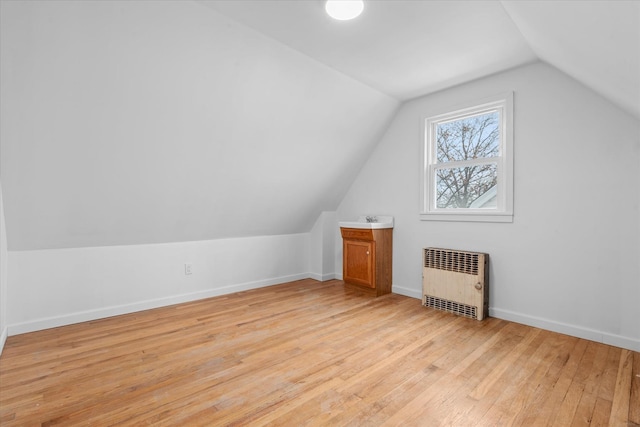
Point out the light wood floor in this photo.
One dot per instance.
(310, 353)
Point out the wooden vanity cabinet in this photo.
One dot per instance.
(366, 258)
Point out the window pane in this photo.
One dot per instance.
(473, 137)
(472, 187)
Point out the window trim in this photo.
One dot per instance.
(504, 210)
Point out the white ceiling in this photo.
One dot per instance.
(411, 48)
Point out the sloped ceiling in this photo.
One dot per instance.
(149, 122)
(409, 48)
(402, 48)
(132, 122)
(595, 42)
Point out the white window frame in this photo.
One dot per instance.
(503, 212)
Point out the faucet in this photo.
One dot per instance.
(371, 219)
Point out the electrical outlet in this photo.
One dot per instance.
(188, 269)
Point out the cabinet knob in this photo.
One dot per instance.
(478, 286)
(367, 252)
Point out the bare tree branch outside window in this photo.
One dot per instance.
(470, 184)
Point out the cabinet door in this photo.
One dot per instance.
(359, 262)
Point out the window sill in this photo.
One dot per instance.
(467, 217)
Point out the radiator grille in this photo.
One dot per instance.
(460, 262)
(450, 306)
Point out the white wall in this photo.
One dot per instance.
(569, 261)
(4, 257)
(57, 287)
(321, 250)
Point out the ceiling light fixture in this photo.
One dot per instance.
(343, 10)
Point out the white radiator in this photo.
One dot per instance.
(456, 282)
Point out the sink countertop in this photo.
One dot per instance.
(361, 222)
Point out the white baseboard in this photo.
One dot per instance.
(85, 316)
(406, 292)
(322, 277)
(3, 338)
(567, 329)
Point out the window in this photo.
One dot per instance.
(468, 163)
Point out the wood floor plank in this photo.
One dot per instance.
(465, 406)
(621, 396)
(569, 406)
(488, 382)
(512, 389)
(516, 409)
(634, 396)
(590, 375)
(312, 353)
(601, 413)
(563, 401)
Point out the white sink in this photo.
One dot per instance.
(379, 222)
